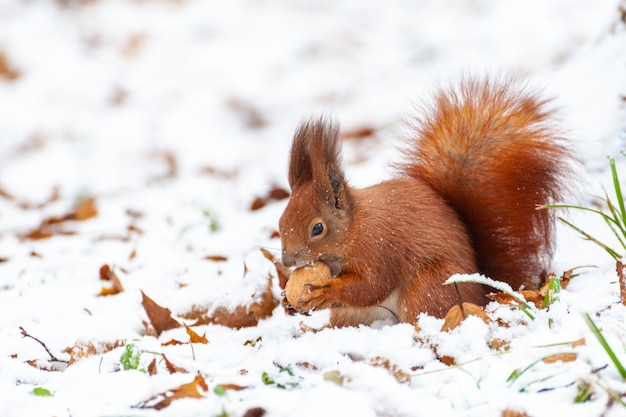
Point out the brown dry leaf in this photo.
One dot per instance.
(219, 173)
(105, 272)
(561, 357)
(216, 258)
(171, 164)
(394, 369)
(456, 315)
(7, 70)
(276, 193)
(448, 360)
(193, 389)
(85, 209)
(566, 278)
(83, 349)
(232, 387)
(152, 368)
(173, 342)
(360, 132)
(579, 342)
(37, 234)
(2, 260)
(307, 365)
(250, 114)
(507, 412)
(134, 44)
(242, 316)
(308, 329)
(171, 367)
(115, 287)
(160, 317)
(255, 412)
(6, 195)
(51, 226)
(194, 337)
(531, 296)
(47, 365)
(281, 270)
(500, 345)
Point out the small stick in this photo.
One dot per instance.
(52, 357)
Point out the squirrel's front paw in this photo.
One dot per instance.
(305, 288)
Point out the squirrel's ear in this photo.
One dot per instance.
(325, 154)
(339, 198)
(300, 167)
(315, 157)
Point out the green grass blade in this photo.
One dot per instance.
(605, 345)
(618, 190)
(614, 254)
(617, 217)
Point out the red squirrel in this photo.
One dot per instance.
(479, 161)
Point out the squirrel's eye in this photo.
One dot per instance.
(317, 229)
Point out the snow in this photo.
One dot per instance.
(109, 90)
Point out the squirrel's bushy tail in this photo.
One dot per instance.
(489, 148)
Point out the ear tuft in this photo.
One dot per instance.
(315, 145)
(316, 157)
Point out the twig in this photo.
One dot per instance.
(52, 357)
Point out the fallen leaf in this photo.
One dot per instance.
(85, 209)
(394, 369)
(334, 376)
(231, 387)
(282, 271)
(160, 317)
(47, 365)
(171, 367)
(194, 337)
(500, 345)
(448, 360)
(276, 193)
(193, 389)
(305, 328)
(85, 348)
(255, 412)
(456, 315)
(220, 173)
(561, 357)
(152, 367)
(241, 316)
(250, 115)
(134, 44)
(7, 70)
(216, 258)
(6, 195)
(115, 287)
(360, 132)
(171, 164)
(52, 226)
(531, 296)
(507, 412)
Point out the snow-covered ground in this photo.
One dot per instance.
(175, 115)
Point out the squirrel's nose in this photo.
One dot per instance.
(288, 260)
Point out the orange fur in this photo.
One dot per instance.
(464, 201)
